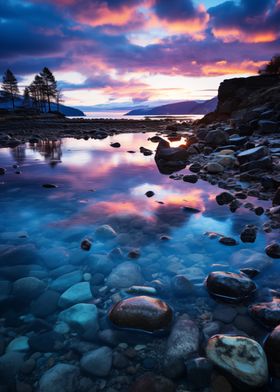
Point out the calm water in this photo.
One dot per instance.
(121, 115)
(98, 184)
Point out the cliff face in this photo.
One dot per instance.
(239, 96)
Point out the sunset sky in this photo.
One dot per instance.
(135, 51)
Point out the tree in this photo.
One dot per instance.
(10, 86)
(59, 98)
(272, 67)
(26, 98)
(37, 92)
(50, 85)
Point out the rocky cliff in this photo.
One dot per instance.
(248, 99)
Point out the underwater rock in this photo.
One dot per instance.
(86, 244)
(241, 357)
(273, 250)
(182, 343)
(98, 362)
(65, 281)
(45, 304)
(46, 342)
(83, 318)
(229, 286)
(268, 313)
(181, 286)
(125, 275)
(214, 168)
(105, 232)
(228, 241)
(224, 198)
(272, 350)
(79, 292)
(152, 383)
(10, 364)
(61, 377)
(249, 233)
(19, 344)
(28, 288)
(19, 255)
(143, 313)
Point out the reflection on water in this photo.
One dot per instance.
(98, 184)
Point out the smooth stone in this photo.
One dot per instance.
(97, 362)
(105, 232)
(228, 241)
(214, 168)
(191, 178)
(86, 244)
(165, 152)
(61, 327)
(150, 382)
(248, 234)
(146, 151)
(10, 364)
(125, 275)
(224, 198)
(251, 272)
(83, 318)
(143, 313)
(182, 343)
(216, 138)
(49, 186)
(149, 193)
(141, 290)
(55, 257)
(273, 250)
(242, 357)
(45, 304)
(46, 342)
(99, 263)
(67, 280)
(268, 313)
(181, 286)
(79, 292)
(267, 126)
(115, 145)
(224, 313)
(60, 378)
(28, 288)
(252, 154)
(227, 161)
(19, 255)
(19, 344)
(247, 258)
(230, 286)
(272, 350)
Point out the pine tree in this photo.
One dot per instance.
(26, 98)
(10, 86)
(272, 67)
(50, 85)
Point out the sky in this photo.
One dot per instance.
(114, 52)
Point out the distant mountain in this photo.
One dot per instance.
(186, 107)
(66, 110)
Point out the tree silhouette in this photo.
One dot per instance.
(26, 98)
(10, 86)
(272, 67)
(49, 85)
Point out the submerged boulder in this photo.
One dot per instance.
(125, 275)
(97, 362)
(268, 313)
(241, 357)
(79, 292)
(143, 313)
(230, 286)
(61, 377)
(272, 349)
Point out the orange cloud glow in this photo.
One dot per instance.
(233, 34)
(223, 68)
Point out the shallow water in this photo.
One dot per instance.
(98, 184)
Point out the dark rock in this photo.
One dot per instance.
(224, 313)
(199, 372)
(86, 244)
(164, 151)
(272, 350)
(238, 141)
(149, 363)
(216, 138)
(115, 145)
(120, 361)
(150, 382)
(263, 163)
(144, 313)
(229, 286)
(28, 288)
(258, 211)
(146, 151)
(97, 362)
(61, 377)
(195, 167)
(10, 364)
(149, 194)
(224, 198)
(2, 171)
(251, 272)
(228, 241)
(190, 210)
(49, 186)
(273, 250)
(276, 198)
(267, 126)
(268, 313)
(46, 342)
(45, 304)
(192, 178)
(181, 286)
(252, 154)
(249, 233)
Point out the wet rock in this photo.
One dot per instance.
(66, 280)
(83, 318)
(216, 138)
(97, 362)
(249, 233)
(125, 275)
(149, 194)
(252, 154)
(45, 304)
(49, 186)
(251, 272)
(86, 244)
(268, 313)
(79, 292)
(61, 377)
(141, 290)
(229, 286)
(28, 288)
(263, 163)
(115, 145)
(2, 171)
(228, 241)
(146, 151)
(192, 178)
(165, 152)
(28, 366)
(241, 357)
(19, 255)
(234, 205)
(273, 250)
(247, 258)
(195, 167)
(152, 383)
(258, 211)
(267, 126)
(46, 342)
(19, 344)
(199, 372)
(224, 198)
(105, 232)
(182, 343)
(181, 286)
(214, 168)
(144, 313)
(224, 313)
(272, 350)
(227, 161)
(10, 364)
(276, 198)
